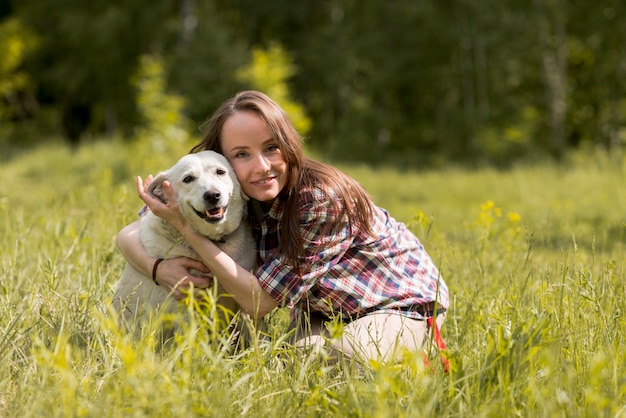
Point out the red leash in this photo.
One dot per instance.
(439, 342)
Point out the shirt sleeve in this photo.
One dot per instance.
(325, 240)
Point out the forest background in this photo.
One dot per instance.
(494, 130)
(414, 83)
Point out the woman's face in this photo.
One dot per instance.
(248, 145)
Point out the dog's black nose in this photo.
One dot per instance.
(212, 197)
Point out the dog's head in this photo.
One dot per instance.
(209, 195)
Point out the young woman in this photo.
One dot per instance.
(325, 250)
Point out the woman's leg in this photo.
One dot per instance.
(380, 337)
(310, 335)
(383, 337)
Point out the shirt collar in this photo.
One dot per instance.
(276, 211)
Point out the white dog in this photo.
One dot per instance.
(210, 198)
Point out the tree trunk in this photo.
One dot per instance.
(554, 54)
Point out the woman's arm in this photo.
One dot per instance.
(237, 281)
(172, 274)
(128, 243)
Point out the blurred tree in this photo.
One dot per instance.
(268, 72)
(465, 80)
(163, 125)
(414, 82)
(16, 86)
(87, 54)
(203, 61)
(551, 16)
(597, 81)
(400, 79)
(496, 81)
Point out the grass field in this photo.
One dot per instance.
(533, 256)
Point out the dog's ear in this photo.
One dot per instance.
(155, 188)
(244, 196)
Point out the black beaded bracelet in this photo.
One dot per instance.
(154, 268)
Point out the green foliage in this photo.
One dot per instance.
(17, 87)
(163, 123)
(86, 55)
(501, 145)
(269, 72)
(16, 41)
(203, 58)
(419, 84)
(533, 257)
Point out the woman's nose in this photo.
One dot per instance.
(263, 165)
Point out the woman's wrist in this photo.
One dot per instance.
(155, 266)
(187, 231)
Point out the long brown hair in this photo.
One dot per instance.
(348, 198)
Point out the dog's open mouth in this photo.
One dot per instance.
(212, 215)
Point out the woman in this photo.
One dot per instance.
(325, 250)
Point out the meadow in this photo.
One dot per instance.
(533, 256)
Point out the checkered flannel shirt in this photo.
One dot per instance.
(354, 275)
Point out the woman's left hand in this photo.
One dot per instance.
(168, 211)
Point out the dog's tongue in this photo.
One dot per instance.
(216, 213)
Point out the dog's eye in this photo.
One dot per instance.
(220, 171)
(188, 179)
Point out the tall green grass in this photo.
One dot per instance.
(533, 256)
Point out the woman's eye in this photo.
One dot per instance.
(272, 148)
(188, 179)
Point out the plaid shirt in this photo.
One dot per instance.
(349, 276)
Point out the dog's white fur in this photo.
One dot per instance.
(210, 198)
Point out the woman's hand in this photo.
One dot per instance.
(168, 211)
(177, 275)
